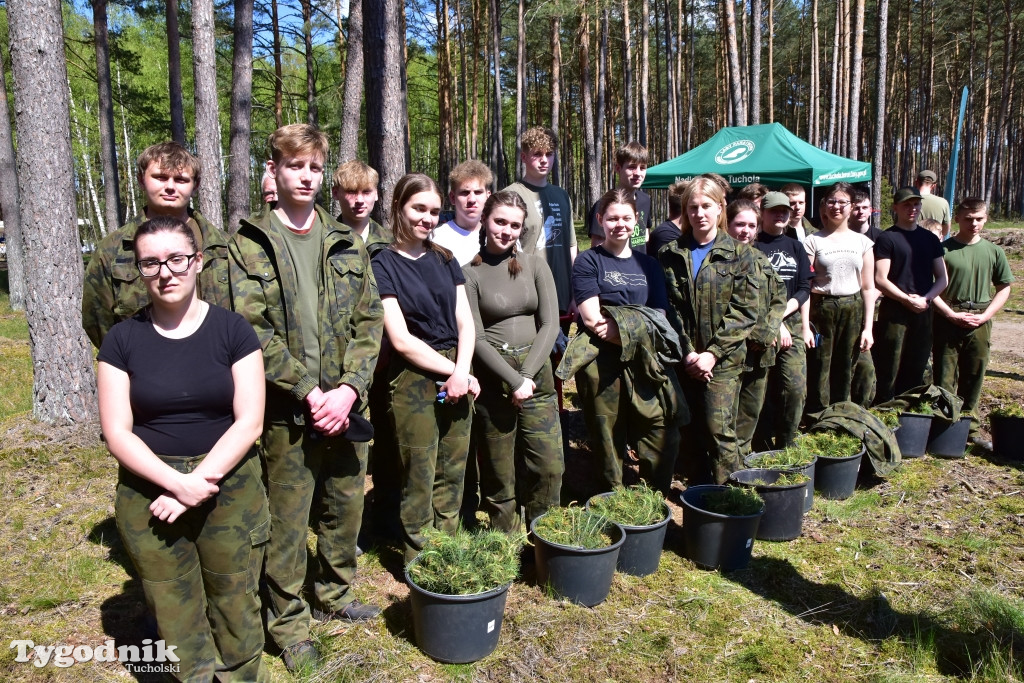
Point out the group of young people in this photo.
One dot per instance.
(242, 376)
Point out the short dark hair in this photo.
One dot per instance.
(859, 196)
(753, 191)
(158, 224)
(970, 204)
(632, 152)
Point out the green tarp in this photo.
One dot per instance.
(767, 154)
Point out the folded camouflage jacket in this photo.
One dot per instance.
(649, 345)
(879, 440)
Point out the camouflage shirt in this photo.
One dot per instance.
(762, 344)
(351, 317)
(377, 237)
(716, 310)
(114, 290)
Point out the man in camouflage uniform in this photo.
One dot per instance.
(113, 288)
(304, 282)
(355, 190)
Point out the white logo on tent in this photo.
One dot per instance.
(735, 152)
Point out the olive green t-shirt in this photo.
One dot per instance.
(973, 269)
(304, 251)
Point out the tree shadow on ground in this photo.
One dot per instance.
(124, 616)
(960, 653)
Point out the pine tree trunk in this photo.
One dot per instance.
(474, 151)
(278, 74)
(645, 69)
(853, 141)
(444, 92)
(9, 202)
(207, 120)
(673, 44)
(754, 112)
(312, 116)
(739, 115)
(601, 104)
(833, 87)
(63, 386)
(385, 98)
(174, 73)
(771, 61)
(627, 74)
(882, 59)
(556, 87)
(813, 128)
(498, 164)
(520, 85)
(108, 146)
(353, 99)
(999, 139)
(590, 159)
(239, 137)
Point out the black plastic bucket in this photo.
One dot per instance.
(949, 440)
(751, 461)
(641, 551)
(577, 574)
(1008, 436)
(836, 478)
(715, 541)
(912, 436)
(783, 518)
(457, 629)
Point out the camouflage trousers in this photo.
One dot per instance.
(903, 345)
(201, 573)
(839, 321)
(709, 449)
(312, 480)
(862, 387)
(753, 385)
(960, 358)
(521, 459)
(384, 464)
(616, 413)
(785, 395)
(433, 445)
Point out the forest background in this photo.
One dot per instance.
(423, 84)
(878, 81)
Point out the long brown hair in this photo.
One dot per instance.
(409, 185)
(512, 200)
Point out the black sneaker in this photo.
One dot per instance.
(353, 611)
(302, 656)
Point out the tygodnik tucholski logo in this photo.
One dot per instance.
(151, 657)
(735, 152)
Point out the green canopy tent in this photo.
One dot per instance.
(767, 154)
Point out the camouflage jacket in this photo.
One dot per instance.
(762, 344)
(377, 237)
(113, 289)
(351, 323)
(717, 310)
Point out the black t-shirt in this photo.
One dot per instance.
(638, 241)
(911, 254)
(789, 259)
(663, 234)
(872, 233)
(181, 390)
(425, 289)
(636, 280)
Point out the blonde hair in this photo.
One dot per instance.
(355, 175)
(469, 170)
(710, 189)
(297, 139)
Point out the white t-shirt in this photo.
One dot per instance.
(463, 244)
(837, 260)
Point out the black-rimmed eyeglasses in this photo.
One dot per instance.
(177, 264)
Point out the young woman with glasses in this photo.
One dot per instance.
(181, 394)
(842, 299)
